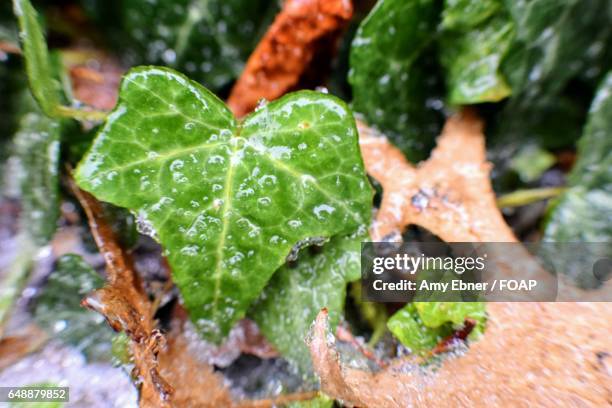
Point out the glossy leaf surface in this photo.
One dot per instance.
(227, 200)
(296, 294)
(390, 61)
(583, 213)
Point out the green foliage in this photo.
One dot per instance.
(296, 294)
(392, 76)
(45, 70)
(582, 214)
(227, 199)
(472, 58)
(43, 83)
(554, 41)
(58, 308)
(208, 40)
(421, 325)
(36, 148)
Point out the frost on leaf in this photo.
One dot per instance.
(286, 51)
(228, 200)
(521, 338)
(449, 194)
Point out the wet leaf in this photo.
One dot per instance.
(296, 294)
(521, 338)
(58, 308)
(391, 60)
(208, 40)
(554, 41)
(207, 186)
(439, 194)
(580, 214)
(472, 59)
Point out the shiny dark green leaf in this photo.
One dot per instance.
(208, 40)
(584, 212)
(393, 73)
(472, 59)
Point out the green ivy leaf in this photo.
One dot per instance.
(208, 40)
(580, 214)
(472, 59)
(296, 294)
(58, 308)
(421, 325)
(227, 199)
(555, 40)
(391, 60)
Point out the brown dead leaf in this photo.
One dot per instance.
(195, 382)
(449, 194)
(532, 354)
(170, 376)
(287, 49)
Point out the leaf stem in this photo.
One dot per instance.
(523, 197)
(80, 114)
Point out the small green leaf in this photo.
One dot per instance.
(407, 326)
(582, 214)
(421, 325)
(58, 308)
(391, 61)
(472, 60)
(227, 199)
(296, 294)
(43, 83)
(531, 161)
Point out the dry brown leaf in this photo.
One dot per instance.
(288, 48)
(195, 382)
(449, 194)
(532, 354)
(170, 376)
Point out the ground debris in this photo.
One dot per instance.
(286, 51)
